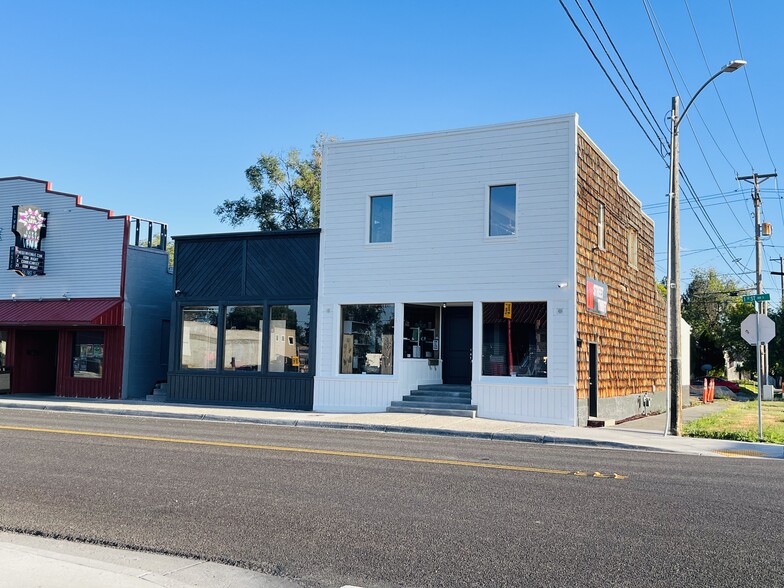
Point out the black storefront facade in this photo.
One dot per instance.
(244, 319)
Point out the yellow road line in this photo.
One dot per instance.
(451, 462)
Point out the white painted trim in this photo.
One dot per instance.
(486, 230)
(368, 212)
(545, 121)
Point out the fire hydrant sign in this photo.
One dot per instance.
(748, 329)
(507, 310)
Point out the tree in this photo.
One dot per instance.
(287, 191)
(711, 308)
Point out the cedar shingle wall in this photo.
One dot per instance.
(632, 337)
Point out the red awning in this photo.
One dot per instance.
(74, 312)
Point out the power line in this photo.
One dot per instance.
(751, 92)
(609, 78)
(718, 94)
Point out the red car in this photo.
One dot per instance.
(731, 386)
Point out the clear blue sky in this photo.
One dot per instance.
(156, 108)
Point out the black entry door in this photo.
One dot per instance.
(35, 365)
(457, 335)
(593, 380)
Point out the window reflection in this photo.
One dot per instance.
(199, 337)
(243, 338)
(289, 338)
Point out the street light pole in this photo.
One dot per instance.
(675, 392)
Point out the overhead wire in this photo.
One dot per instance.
(657, 30)
(609, 78)
(748, 83)
(718, 94)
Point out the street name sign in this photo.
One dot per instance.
(756, 298)
(748, 329)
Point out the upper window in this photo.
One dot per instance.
(600, 227)
(199, 337)
(632, 247)
(503, 210)
(87, 356)
(243, 339)
(381, 219)
(290, 346)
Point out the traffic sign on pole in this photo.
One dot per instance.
(748, 329)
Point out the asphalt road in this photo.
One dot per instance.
(373, 509)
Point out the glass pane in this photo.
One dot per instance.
(87, 355)
(600, 227)
(381, 219)
(199, 337)
(523, 338)
(243, 341)
(3, 348)
(367, 339)
(503, 202)
(289, 338)
(420, 331)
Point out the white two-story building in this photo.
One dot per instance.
(507, 258)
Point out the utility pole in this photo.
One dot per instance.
(781, 273)
(674, 389)
(762, 361)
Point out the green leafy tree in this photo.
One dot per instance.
(286, 191)
(712, 309)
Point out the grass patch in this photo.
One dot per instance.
(739, 423)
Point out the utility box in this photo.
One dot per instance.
(767, 392)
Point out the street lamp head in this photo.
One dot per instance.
(733, 65)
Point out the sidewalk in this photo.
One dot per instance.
(30, 562)
(645, 434)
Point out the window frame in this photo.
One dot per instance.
(632, 248)
(488, 210)
(223, 304)
(369, 220)
(73, 337)
(601, 227)
(341, 333)
(218, 337)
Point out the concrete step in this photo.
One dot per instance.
(445, 388)
(434, 405)
(441, 393)
(421, 397)
(437, 411)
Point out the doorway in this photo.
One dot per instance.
(35, 362)
(457, 344)
(593, 380)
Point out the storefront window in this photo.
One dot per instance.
(289, 338)
(5, 377)
(242, 344)
(421, 326)
(3, 349)
(367, 339)
(522, 338)
(87, 355)
(199, 337)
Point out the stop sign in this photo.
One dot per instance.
(748, 329)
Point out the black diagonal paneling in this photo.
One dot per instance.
(209, 269)
(282, 267)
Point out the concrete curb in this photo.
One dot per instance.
(398, 429)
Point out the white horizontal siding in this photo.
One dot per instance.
(83, 247)
(440, 253)
(530, 403)
(354, 393)
(439, 183)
